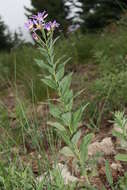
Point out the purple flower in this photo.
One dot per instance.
(37, 22)
(29, 24)
(55, 24)
(51, 25)
(47, 26)
(37, 25)
(40, 16)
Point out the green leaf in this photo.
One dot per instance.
(54, 111)
(84, 147)
(69, 105)
(76, 137)
(66, 61)
(59, 60)
(60, 72)
(1, 179)
(55, 40)
(108, 173)
(66, 138)
(65, 83)
(66, 151)
(121, 157)
(49, 82)
(43, 51)
(66, 117)
(79, 93)
(68, 96)
(77, 116)
(56, 125)
(41, 64)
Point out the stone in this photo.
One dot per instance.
(105, 146)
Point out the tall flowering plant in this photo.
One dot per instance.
(66, 117)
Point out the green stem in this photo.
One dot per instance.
(57, 84)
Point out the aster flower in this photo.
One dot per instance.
(47, 26)
(51, 25)
(37, 25)
(40, 16)
(37, 22)
(29, 24)
(55, 24)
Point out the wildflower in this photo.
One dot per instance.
(29, 24)
(37, 22)
(40, 16)
(38, 25)
(35, 37)
(51, 25)
(55, 24)
(47, 26)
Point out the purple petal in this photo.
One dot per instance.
(35, 37)
(29, 24)
(47, 26)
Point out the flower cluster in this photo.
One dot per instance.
(38, 22)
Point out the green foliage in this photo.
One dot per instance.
(113, 88)
(99, 13)
(122, 183)
(5, 39)
(18, 67)
(121, 157)
(108, 174)
(12, 178)
(84, 147)
(120, 121)
(66, 118)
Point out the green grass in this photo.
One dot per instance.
(107, 51)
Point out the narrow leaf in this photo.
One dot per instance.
(41, 64)
(54, 110)
(56, 125)
(59, 60)
(68, 96)
(66, 117)
(79, 93)
(60, 72)
(65, 83)
(66, 151)
(121, 157)
(84, 147)
(108, 173)
(49, 82)
(66, 138)
(76, 137)
(77, 116)
(55, 40)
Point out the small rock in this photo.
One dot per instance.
(68, 178)
(105, 146)
(66, 174)
(116, 166)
